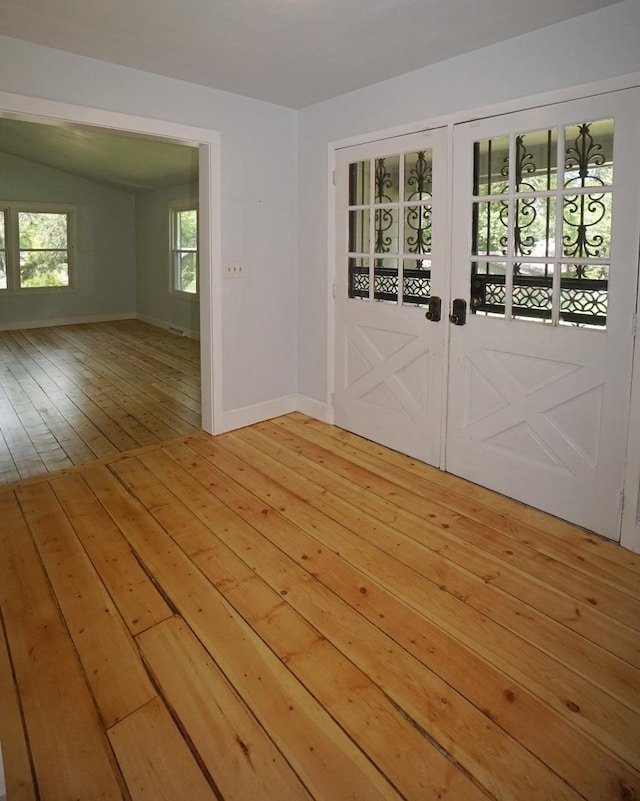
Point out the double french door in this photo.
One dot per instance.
(485, 310)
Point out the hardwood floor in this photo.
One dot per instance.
(291, 612)
(72, 394)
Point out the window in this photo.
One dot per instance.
(35, 247)
(184, 247)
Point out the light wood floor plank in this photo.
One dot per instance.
(564, 540)
(321, 753)
(71, 394)
(15, 747)
(414, 767)
(581, 617)
(71, 756)
(110, 659)
(155, 760)
(309, 631)
(592, 590)
(314, 558)
(134, 593)
(236, 750)
(610, 720)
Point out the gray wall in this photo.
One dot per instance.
(105, 255)
(154, 298)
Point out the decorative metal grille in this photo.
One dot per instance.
(523, 225)
(401, 227)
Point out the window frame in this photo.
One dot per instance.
(11, 211)
(175, 208)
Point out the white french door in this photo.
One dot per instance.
(527, 390)
(391, 210)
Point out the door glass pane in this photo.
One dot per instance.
(359, 231)
(491, 166)
(584, 292)
(533, 292)
(589, 154)
(586, 225)
(534, 232)
(490, 228)
(536, 162)
(386, 230)
(488, 288)
(387, 180)
(418, 175)
(385, 286)
(360, 183)
(359, 278)
(417, 229)
(416, 281)
(3, 270)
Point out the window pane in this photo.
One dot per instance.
(188, 271)
(39, 268)
(2, 230)
(42, 230)
(187, 230)
(3, 270)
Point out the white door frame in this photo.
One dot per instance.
(630, 536)
(210, 218)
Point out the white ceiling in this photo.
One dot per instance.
(290, 52)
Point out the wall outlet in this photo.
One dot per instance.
(235, 270)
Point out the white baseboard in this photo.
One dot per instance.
(91, 318)
(176, 329)
(257, 413)
(312, 407)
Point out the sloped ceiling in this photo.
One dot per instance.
(290, 52)
(126, 162)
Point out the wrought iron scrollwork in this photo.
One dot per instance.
(583, 213)
(383, 217)
(418, 218)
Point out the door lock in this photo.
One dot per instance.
(458, 314)
(434, 312)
